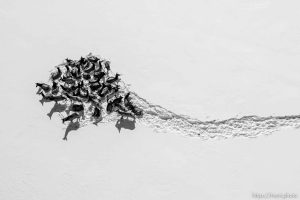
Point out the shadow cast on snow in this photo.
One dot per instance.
(57, 108)
(72, 126)
(125, 123)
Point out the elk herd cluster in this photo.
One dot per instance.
(90, 81)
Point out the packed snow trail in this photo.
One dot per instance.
(163, 120)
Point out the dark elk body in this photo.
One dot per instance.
(77, 107)
(70, 117)
(57, 75)
(97, 112)
(52, 97)
(43, 86)
(114, 79)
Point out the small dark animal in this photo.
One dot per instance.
(104, 87)
(43, 86)
(113, 92)
(99, 63)
(126, 99)
(85, 65)
(67, 68)
(103, 94)
(75, 74)
(107, 65)
(68, 80)
(127, 96)
(66, 89)
(86, 76)
(82, 60)
(114, 79)
(94, 100)
(70, 117)
(96, 113)
(78, 67)
(55, 88)
(115, 89)
(95, 87)
(56, 75)
(54, 85)
(100, 75)
(109, 107)
(69, 61)
(137, 111)
(94, 81)
(93, 58)
(117, 100)
(72, 98)
(53, 98)
(77, 107)
(90, 68)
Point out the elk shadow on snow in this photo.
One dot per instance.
(57, 108)
(72, 126)
(125, 123)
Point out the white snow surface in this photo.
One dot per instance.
(233, 66)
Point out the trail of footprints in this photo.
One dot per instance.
(163, 120)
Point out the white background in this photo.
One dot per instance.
(207, 59)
